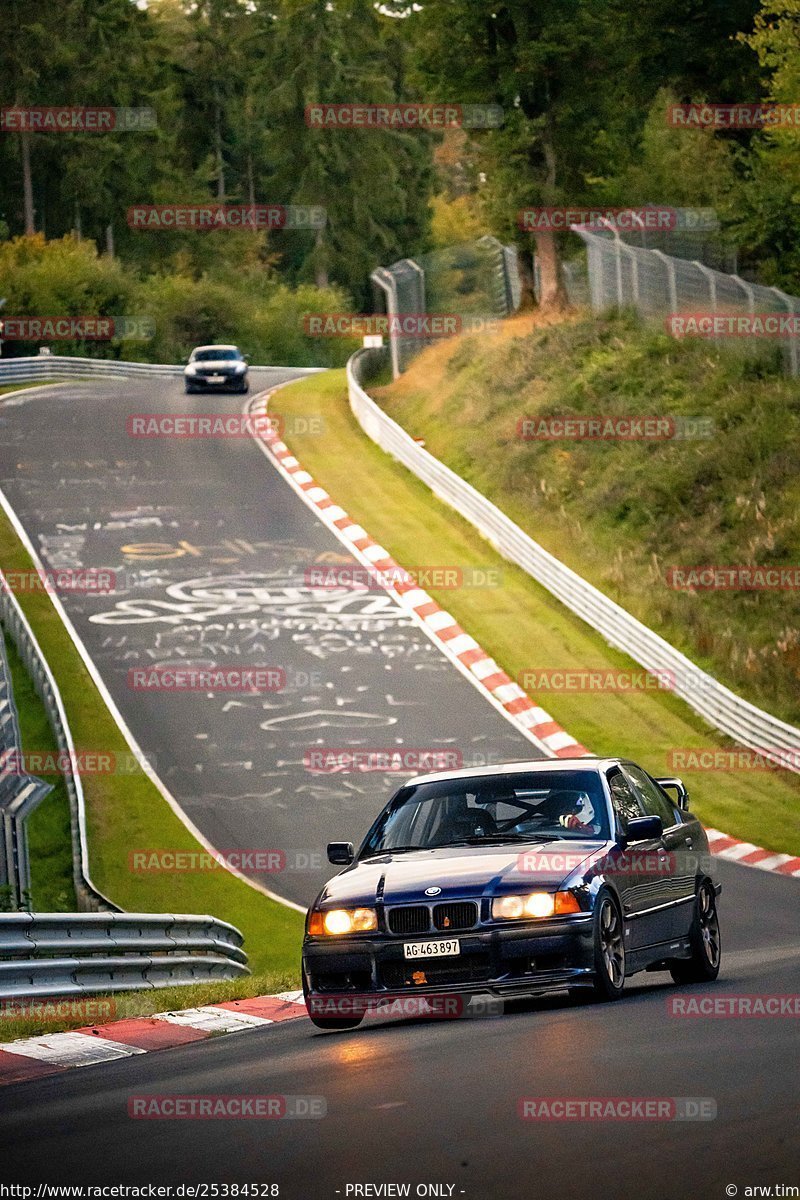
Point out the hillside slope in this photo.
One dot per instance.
(625, 513)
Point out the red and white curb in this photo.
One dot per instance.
(34, 1057)
(537, 724)
(750, 855)
(458, 645)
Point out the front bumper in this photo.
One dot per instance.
(227, 384)
(503, 961)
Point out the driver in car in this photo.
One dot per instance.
(579, 815)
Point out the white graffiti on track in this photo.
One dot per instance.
(200, 600)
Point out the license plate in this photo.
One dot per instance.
(448, 946)
(216, 378)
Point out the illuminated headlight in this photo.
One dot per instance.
(338, 921)
(240, 367)
(535, 904)
(191, 369)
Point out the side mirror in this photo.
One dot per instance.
(341, 854)
(677, 786)
(641, 829)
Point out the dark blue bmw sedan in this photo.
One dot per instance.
(515, 880)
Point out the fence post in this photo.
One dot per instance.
(794, 364)
(671, 285)
(388, 285)
(710, 278)
(748, 290)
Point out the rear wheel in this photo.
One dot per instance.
(706, 944)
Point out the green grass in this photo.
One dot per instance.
(522, 626)
(19, 387)
(119, 1005)
(621, 514)
(49, 836)
(126, 811)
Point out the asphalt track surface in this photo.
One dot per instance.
(416, 1102)
(437, 1101)
(211, 551)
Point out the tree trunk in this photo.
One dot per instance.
(320, 267)
(552, 293)
(27, 183)
(218, 147)
(251, 183)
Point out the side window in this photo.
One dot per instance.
(626, 805)
(656, 804)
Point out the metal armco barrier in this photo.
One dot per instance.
(20, 794)
(16, 627)
(723, 709)
(63, 954)
(45, 367)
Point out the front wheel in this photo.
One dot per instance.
(705, 941)
(609, 950)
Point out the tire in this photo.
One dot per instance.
(706, 943)
(609, 950)
(190, 391)
(335, 1022)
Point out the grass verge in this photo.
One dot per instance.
(142, 1004)
(49, 836)
(523, 627)
(624, 514)
(127, 810)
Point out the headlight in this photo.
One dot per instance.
(337, 921)
(241, 367)
(534, 904)
(191, 369)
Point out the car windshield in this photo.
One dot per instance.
(214, 354)
(497, 809)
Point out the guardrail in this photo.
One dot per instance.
(20, 794)
(63, 954)
(717, 704)
(44, 367)
(16, 626)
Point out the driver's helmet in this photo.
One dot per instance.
(561, 805)
(584, 809)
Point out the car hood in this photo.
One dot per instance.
(461, 871)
